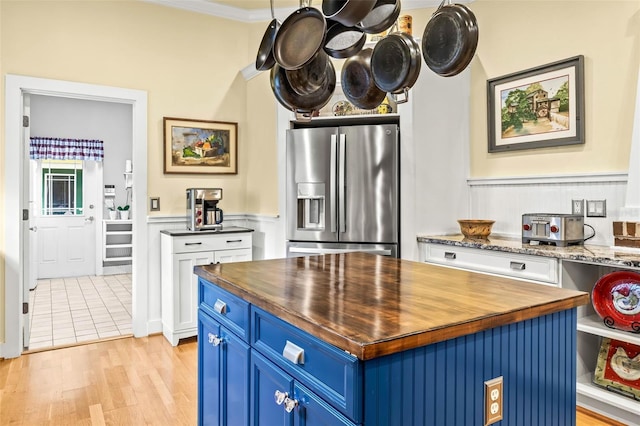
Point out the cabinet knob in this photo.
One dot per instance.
(280, 397)
(290, 404)
(214, 339)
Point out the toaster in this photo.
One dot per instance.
(557, 229)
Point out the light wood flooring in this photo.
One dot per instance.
(125, 381)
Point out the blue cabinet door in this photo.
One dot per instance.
(266, 379)
(223, 375)
(313, 411)
(209, 373)
(235, 378)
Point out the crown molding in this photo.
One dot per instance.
(208, 7)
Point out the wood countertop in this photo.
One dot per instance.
(373, 305)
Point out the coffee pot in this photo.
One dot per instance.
(203, 212)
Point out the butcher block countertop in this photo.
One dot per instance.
(372, 306)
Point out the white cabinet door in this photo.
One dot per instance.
(228, 256)
(185, 295)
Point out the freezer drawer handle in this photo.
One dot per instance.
(449, 255)
(384, 252)
(518, 266)
(293, 353)
(220, 307)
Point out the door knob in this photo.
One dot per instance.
(89, 219)
(33, 228)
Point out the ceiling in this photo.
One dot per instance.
(259, 10)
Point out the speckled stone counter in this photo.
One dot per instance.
(604, 255)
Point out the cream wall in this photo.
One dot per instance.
(516, 35)
(188, 63)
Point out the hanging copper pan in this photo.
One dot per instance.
(450, 39)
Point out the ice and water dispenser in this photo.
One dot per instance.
(311, 205)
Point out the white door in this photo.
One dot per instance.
(65, 220)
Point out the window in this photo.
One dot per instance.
(61, 187)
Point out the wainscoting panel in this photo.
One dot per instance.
(506, 200)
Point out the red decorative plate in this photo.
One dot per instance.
(616, 298)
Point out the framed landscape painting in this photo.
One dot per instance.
(537, 108)
(199, 146)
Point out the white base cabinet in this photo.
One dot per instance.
(580, 274)
(179, 254)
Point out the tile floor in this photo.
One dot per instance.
(71, 310)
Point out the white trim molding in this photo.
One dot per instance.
(16, 86)
(549, 179)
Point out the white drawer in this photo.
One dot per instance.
(187, 244)
(527, 267)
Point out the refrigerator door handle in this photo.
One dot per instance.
(342, 208)
(332, 186)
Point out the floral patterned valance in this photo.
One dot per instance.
(66, 149)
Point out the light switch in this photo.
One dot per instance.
(596, 208)
(155, 204)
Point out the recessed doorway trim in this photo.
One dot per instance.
(15, 87)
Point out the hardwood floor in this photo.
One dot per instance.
(117, 382)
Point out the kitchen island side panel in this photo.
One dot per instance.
(443, 383)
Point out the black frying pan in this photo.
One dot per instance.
(343, 42)
(383, 15)
(450, 39)
(300, 37)
(395, 63)
(265, 59)
(347, 12)
(357, 82)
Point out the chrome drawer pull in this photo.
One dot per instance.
(518, 266)
(293, 353)
(192, 244)
(449, 255)
(214, 339)
(220, 307)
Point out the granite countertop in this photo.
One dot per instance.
(372, 306)
(604, 255)
(186, 232)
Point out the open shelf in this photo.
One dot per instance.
(593, 324)
(585, 386)
(117, 241)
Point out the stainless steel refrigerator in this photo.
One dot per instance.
(343, 190)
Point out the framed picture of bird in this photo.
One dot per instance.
(618, 368)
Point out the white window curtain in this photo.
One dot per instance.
(66, 149)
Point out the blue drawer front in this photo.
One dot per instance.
(236, 313)
(443, 384)
(332, 373)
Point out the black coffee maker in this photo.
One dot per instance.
(203, 212)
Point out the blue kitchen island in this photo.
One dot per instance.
(359, 339)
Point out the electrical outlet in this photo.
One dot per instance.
(493, 401)
(577, 207)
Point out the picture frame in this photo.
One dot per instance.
(200, 146)
(618, 368)
(537, 108)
